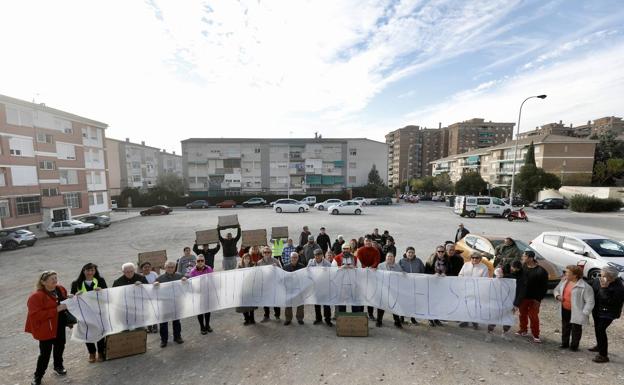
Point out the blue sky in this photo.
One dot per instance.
(163, 71)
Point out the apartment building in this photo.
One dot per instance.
(218, 166)
(572, 159)
(52, 165)
(600, 126)
(137, 165)
(550, 129)
(472, 134)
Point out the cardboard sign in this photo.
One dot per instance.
(205, 237)
(156, 258)
(279, 232)
(254, 238)
(228, 221)
(351, 325)
(126, 344)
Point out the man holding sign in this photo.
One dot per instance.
(230, 250)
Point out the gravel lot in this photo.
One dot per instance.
(275, 354)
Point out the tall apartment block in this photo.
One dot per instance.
(52, 165)
(218, 166)
(474, 133)
(138, 165)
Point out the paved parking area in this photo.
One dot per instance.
(272, 353)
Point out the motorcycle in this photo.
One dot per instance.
(518, 214)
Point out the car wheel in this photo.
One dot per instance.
(593, 274)
(510, 218)
(301, 209)
(506, 213)
(335, 212)
(278, 210)
(472, 214)
(77, 231)
(358, 212)
(321, 208)
(10, 245)
(51, 234)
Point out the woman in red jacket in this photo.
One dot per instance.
(46, 322)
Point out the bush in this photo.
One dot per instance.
(590, 204)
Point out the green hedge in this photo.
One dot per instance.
(590, 204)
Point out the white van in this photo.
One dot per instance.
(310, 201)
(473, 206)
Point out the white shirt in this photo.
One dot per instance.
(470, 270)
(151, 277)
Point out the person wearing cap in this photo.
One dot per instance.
(534, 281)
(289, 248)
(268, 260)
(474, 268)
(293, 266)
(308, 250)
(319, 261)
(337, 246)
(303, 237)
(200, 269)
(89, 279)
(389, 265)
(323, 240)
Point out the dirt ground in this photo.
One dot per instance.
(272, 353)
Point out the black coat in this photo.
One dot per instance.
(609, 299)
(303, 238)
(337, 247)
(229, 245)
(533, 282)
(123, 281)
(323, 241)
(290, 268)
(461, 234)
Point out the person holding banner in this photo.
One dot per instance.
(89, 279)
(410, 264)
(170, 276)
(230, 251)
(207, 252)
(248, 312)
(346, 260)
(389, 265)
(268, 260)
(369, 257)
(294, 265)
(319, 261)
(288, 250)
(46, 322)
(474, 268)
(129, 276)
(200, 269)
(151, 277)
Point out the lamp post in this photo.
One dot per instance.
(515, 152)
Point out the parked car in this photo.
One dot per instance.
(592, 251)
(71, 226)
(255, 202)
(551, 203)
(438, 198)
(381, 201)
(362, 201)
(158, 209)
(13, 238)
(98, 221)
(486, 245)
(481, 205)
(290, 206)
(329, 202)
(425, 197)
(517, 201)
(411, 198)
(114, 205)
(309, 200)
(226, 204)
(346, 207)
(198, 204)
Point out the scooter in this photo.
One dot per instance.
(518, 214)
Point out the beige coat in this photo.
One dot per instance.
(582, 300)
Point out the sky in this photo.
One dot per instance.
(163, 71)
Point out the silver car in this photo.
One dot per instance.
(14, 238)
(71, 226)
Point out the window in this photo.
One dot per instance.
(44, 138)
(97, 178)
(565, 148)
(49, 192)
(483, 201)
(470, 241)
(68, 176)
(5, 212)
(21, 147)
(100, 198)
(2, 179)
(136, 165)
(89, 178)
(24, 176)
(96, 156)
(94, 133)
(136, 178)
(65, 151)
(19, 117)
(28, 205)
(483, 246)
(46, 165)
(257, 150)
(91, 200)
(572, 244)
(352, 165)
(353, 151)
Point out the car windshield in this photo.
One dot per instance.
(23, 232)
(606, 247)
(73, 222)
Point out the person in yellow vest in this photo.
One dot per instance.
(89, 279)
(277, 247)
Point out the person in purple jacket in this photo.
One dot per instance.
(200, 269)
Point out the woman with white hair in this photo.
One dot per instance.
(609, 297)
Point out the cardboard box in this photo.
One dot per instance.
(228, 221)
(205, 237)
(351, 325)
(254, 238)
(126, 344)
(279, 232)
(156, 258)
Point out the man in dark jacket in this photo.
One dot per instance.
(456, 261)
(534, 284)
(389, 247)
(170, 275)
(461, 232)
(207, 252)
(230, 251)
(129, 276)
(506, 253)
(609, 296)
(303, 237)
(323, 240)
(294, 266)
(337, 246)
(375, 236)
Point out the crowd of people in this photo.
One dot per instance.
(603, 298)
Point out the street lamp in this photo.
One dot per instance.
(513, 172)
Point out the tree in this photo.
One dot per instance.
(605, 173)
(416, 185)
(529, 158)
(531, 180)
(470, 183)
(169, 185)
(443, 183)
(609, 152)
(374, 178)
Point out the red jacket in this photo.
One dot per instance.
(42, 319)
(368, 256)
(338, 259)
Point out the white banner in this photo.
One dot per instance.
(483, 300)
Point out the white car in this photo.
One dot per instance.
(290, 206)
(589, 250)
(362, 201)
(346, 207)
(71, 226)
(324, 205)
